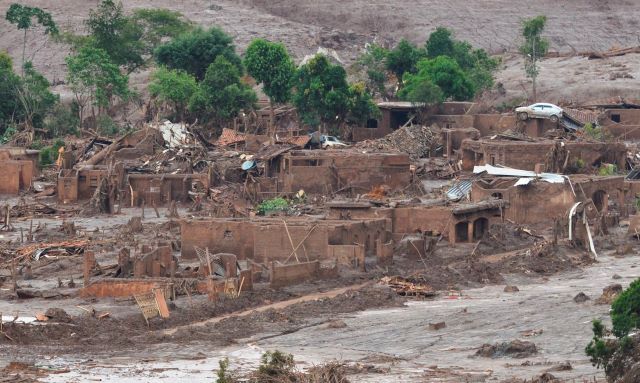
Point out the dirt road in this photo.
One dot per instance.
(273, 306)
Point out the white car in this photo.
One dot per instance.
(539, 110)
(331, 142)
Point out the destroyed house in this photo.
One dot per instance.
(135, 188)
(329, 171)
(458, 223)
(19, 166)
(540, 202)
(556, 156)
(393, 115)
(264, 240)
(622, 123)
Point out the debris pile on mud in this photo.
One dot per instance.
(514, 349)
(609, 294)
(418, 141)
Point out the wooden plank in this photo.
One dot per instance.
(161, 303)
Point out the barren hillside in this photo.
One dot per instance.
(305, 25)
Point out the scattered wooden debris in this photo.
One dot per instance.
(404, 287)
(37, 250)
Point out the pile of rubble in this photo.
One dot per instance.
(418, 141)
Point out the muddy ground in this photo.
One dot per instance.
(371, 329)
(266, 318)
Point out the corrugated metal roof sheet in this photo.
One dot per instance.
(459, 190)
(525, 175)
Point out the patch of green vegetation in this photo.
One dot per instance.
(224, 375)
(107, 126)
(608, 170)
(49, 154)
(594, 131)
(273, 205)
(8, 134)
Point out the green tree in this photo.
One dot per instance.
(322, 93)
(440, 43)
(373, 62)
(419, 88)
(221, 95)
(62, 120)
(481, 73)
(625, 318)
(625, 310)
(534, 47)
(446, 74)
(193, 52)
(403, 59)
(475, 62)
(270, 64)
(158, 24)
(22, 16)
(35, 98)
(362, 108)
(115, 33)
(10, 110)
(95, 80)
(173, 86)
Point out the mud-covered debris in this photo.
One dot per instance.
(336, 324)
(581, 297)
(417, 141)
(566, 366)
(511, 289)
(57, 315)
(514, 349)
(437, 326)
(545, 378)
(530, 333)
(624, 249)
(609, 294)
(406, 287)
(135, 225)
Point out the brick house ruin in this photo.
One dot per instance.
(327, 171)
(460, 222)
(552, 153)
(19, 166)
(264, 240)
(542, 202)
(153, 189)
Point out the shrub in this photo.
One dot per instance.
(8, 134)
(599, 349)
(625, 318)
(607, 170)
(274, 364)
(625, 310)
(63, 120)
(49, 154)
(273, 205)
(107, 126)
(224, 376)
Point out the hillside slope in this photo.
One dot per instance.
(306, 25)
